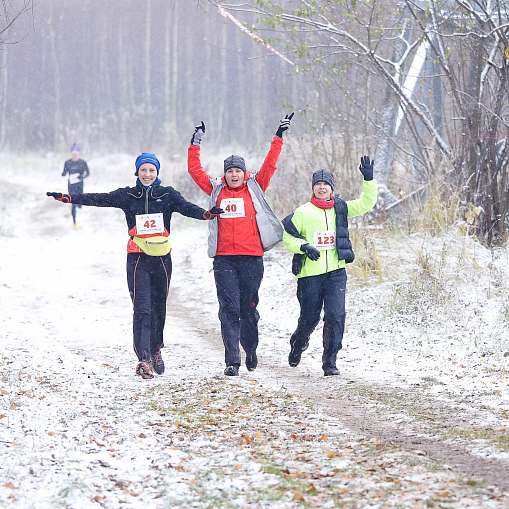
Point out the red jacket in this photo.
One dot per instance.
(240, 235)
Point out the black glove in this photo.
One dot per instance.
(199, 131)
(310, 251)
(213, 212)
(284, 125)
(366, 167)
(64, 198)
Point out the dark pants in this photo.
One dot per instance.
(75, 189)
(238, 280)
(148, 278)
(314, 292)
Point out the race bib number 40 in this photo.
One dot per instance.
(147, 224)
(325, 240)
(233, 207)
(74, 178)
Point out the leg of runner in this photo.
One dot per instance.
(334, 319)
(138, 281)
(310, 296)
(75, 189)
(159, 285)
(228, 295)
(73, 213)
(250, 277)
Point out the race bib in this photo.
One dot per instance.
(233, 207)
(325, 240)
(74, 178)
(148, 224)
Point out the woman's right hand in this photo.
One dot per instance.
(64, 198)
(310, 251)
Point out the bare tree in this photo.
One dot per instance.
(464, 44)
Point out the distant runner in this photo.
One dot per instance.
(237, 241)
(318, 235)
(77, 170)
(148, 208)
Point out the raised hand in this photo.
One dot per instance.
(199, 131)
(284, 125)
(310, 251)
(213, 212)
(366, 168)
(64, 198)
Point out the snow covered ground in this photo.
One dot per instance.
(424, 352)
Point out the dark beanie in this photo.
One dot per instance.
(323, 176)
(234, 162)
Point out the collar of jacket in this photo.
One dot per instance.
(247, 174)
(157, 182)
(322, 204)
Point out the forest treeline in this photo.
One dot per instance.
(127, 75)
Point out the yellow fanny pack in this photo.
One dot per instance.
(158, 245)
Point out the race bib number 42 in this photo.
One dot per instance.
(147, 224)
(233, 207)
(325, 240)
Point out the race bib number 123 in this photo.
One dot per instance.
(325, 240)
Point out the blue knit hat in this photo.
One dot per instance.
(75, 147)
(147, 158)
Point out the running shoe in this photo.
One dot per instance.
(158, 363)
(251, 361)
(75, 226)
(144, 369)
(331, 372)
(231, 371)
(295, 355)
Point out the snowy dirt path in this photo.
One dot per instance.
(78, 429)
(423, 421)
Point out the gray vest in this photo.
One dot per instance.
(271, 231)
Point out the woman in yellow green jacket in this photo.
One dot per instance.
(317, 233)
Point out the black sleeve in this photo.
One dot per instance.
(179, 204)
(114, 199)
(86, 171)
(65, 169)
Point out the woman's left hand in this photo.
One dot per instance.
(213, 212)
(366, 168)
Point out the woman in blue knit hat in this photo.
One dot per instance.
(317, 234)
(148, 208)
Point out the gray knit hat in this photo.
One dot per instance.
(323, 176)
(234, 162)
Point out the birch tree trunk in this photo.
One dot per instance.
(148, 98)
(3, 126)
(57, 117)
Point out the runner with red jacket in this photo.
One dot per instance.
(148, 208)
(237, 241)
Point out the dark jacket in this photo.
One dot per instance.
(79, 168)
(137, 200)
